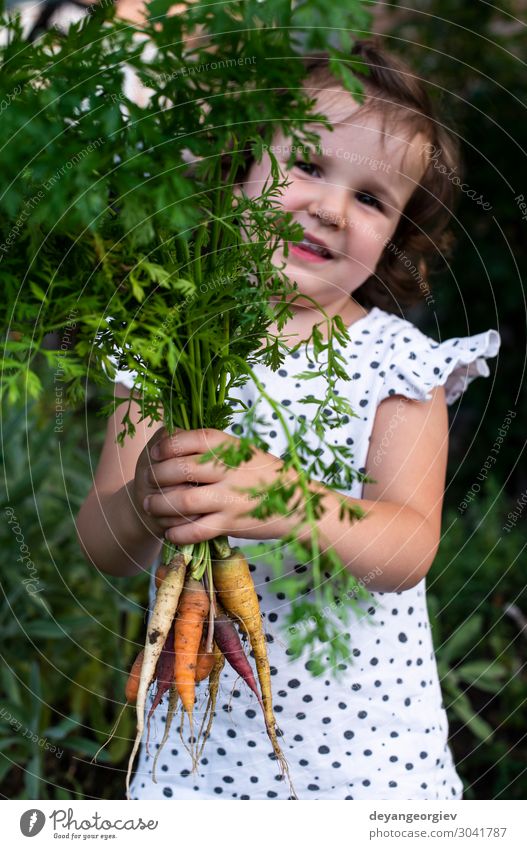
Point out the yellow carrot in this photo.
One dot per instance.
(235, 589)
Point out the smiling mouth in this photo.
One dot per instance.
(306, 246)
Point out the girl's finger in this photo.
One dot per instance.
(182, 502)
(184, 470)
(205, 528)
(159, 436)
(185, 442)
(166, 522)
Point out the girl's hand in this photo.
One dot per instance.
(193, 501)
(145, 486)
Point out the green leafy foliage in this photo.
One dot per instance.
(473, 588)
(66, 651)
(472, 58)
(121, 230)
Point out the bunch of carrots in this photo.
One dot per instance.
(191, 633)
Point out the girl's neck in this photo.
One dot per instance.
(300, 326)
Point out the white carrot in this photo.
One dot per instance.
(162, 617)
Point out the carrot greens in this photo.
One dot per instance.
(124, 246)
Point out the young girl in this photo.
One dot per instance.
(374, 203)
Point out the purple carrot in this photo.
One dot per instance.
(229, 643)
(164, 675)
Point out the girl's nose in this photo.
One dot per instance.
(331, 206)
(331, 210)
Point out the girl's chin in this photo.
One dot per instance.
(315, 286)
(304, 275)
(318, 283)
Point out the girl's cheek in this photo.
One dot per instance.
(256, 176)
(372, 233)
(292, 198)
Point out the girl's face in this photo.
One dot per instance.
(348, 198)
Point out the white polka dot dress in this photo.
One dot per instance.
(380, 731)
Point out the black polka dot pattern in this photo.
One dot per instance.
(379, 731)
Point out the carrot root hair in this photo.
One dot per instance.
(172, 705)
(208, 715)
(111, 735)
(164, 675)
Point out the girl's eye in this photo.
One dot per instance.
(369, 200)
(305, 166)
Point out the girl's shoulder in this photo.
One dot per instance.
(392, 352)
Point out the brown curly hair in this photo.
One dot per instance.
(421, 237)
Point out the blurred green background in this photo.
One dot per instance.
(70, 634)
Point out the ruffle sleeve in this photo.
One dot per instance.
(419, 364)
(123, 376)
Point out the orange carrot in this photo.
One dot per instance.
(132, 685)
(234, 586)
(130, 691)
(205, 661)
(192, 609)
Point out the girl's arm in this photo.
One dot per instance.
(114, 533)
(390, 549)
(394, 545)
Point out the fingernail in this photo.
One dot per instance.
(155, 452)
(146, 504)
